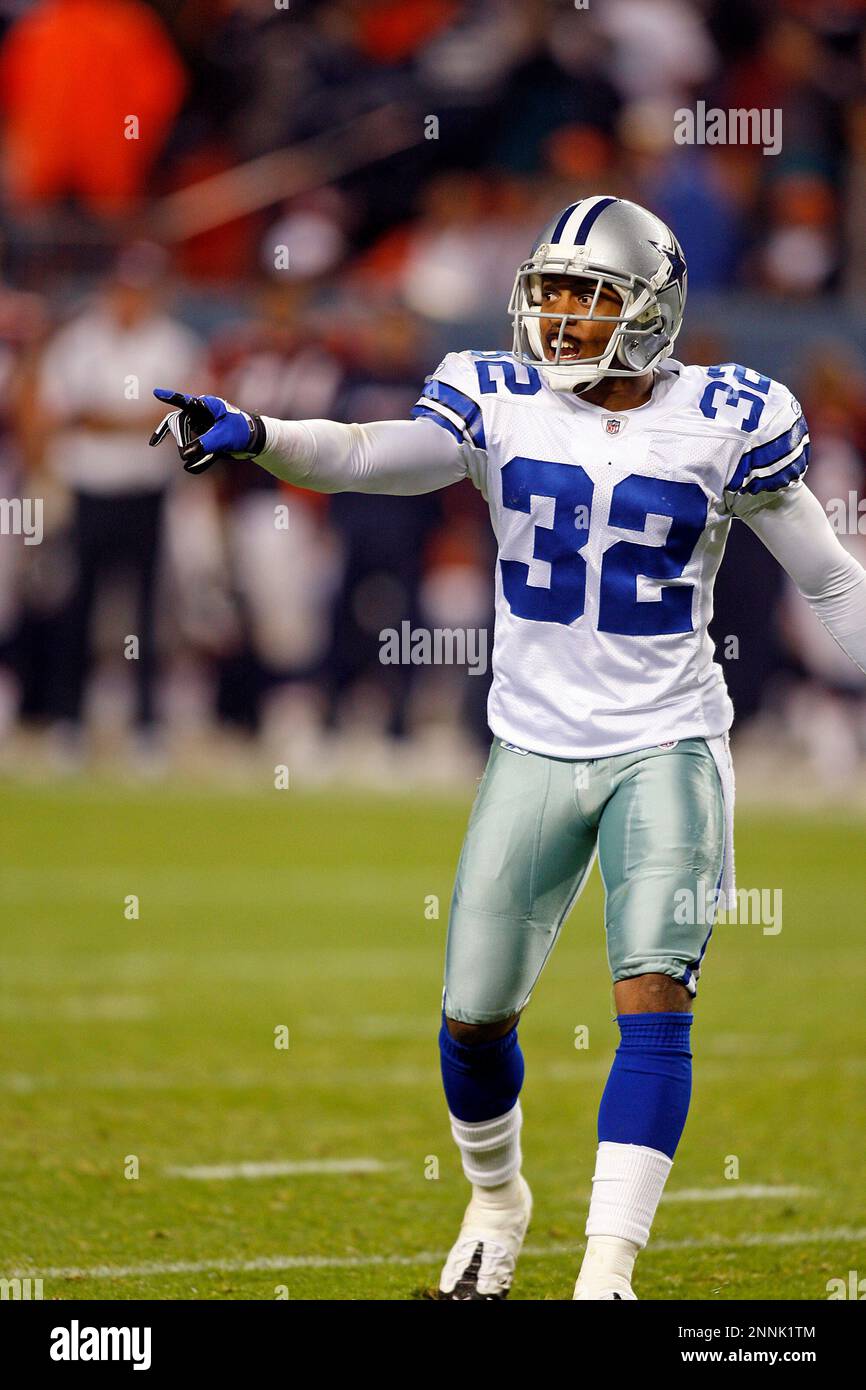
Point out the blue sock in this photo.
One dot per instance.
(646, 1099)
(481, 1080)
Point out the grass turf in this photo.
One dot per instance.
(154, 1038)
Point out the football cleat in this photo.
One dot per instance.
(622, 1291)
(480, 1267)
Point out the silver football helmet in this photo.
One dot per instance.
(617, 244)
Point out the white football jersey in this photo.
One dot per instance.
(611, 528)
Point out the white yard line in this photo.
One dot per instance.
(290, 1168)
(278, 1168)
(839, 1235)
(733, 1192)
(107, 1008)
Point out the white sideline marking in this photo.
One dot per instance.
(290, 1168)
(278, 1169)
(843, 1234)
(734, 1191)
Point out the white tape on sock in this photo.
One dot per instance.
(626, 1189)
(490, 1149)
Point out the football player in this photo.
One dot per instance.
(612, 472)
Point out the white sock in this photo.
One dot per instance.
(626, 1190)
(490, 1150)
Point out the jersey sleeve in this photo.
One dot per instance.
(450, 398)
(797, 531)
(775, 456)
(397, 457)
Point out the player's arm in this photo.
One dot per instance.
(767, 491)
(400, 457)
(795, 529)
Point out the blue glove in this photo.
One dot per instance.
(206, 428)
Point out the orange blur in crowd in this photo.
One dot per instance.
(72, 73)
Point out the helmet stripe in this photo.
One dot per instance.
(560, 226)
(590, 219)
(586, 210)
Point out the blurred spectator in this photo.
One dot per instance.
(90, 88)
(282, 576)
(95, 387)
(800, 251)
(853, 277)
(383, 538)
(695, 191)
(562, 80)
(308, 241)
(660, 48)
(460, 254)
(792, 70)
(22, 326)
(827, 710)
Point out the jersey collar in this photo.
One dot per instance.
(667, 378)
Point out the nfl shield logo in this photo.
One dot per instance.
(612, 425)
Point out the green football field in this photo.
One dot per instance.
(139, 1066)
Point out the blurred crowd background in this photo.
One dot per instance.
(302, 207)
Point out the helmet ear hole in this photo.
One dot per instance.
(637, 350)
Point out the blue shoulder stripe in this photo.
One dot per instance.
(423, 412)
(468, 410)
(795, 469)
(764, 454)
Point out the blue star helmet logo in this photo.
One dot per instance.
(678, 265)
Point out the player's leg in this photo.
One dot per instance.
(93, 548)
(526, 855)
(661, 845)
(145, 513)
(482, 1072)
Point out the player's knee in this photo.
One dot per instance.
(652, 993)
(469, 1033)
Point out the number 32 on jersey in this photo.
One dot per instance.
(633, 500)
